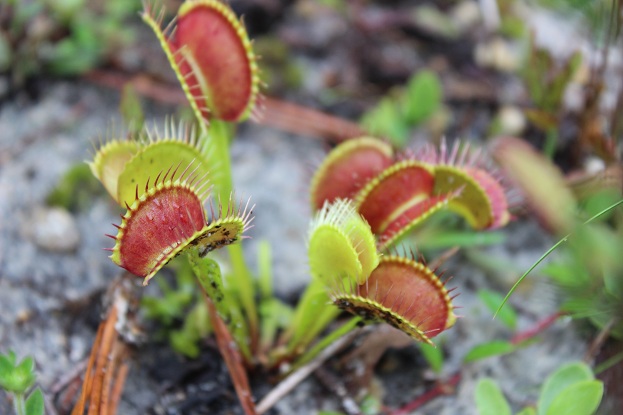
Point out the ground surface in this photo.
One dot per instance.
(53, 271)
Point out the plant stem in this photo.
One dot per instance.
(19, 405)
(242, 283)
(208, 274)
(539, 328)
(551, 139)
(446, 388)
(327, 340)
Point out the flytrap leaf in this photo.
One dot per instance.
(411, 218)
(348, 168)
(126, 167)
(168, 218)
(393, 192)
(211, 54)
(472, 203)
(156, 156)
(403, 293)
(110, 160)
(480, 197)
(341, 244)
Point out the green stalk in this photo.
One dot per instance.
(208, 274)
(19, 405)
(242, 281)
(310, 354)
(551, 139)
(549, 251)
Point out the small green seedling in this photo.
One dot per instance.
(396, 115)
(18, 380)
(571, 390)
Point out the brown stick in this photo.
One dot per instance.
(103, 356)
(297, 119)
(117, 387)
(88, 375)
(273, 112)
(301, 373)
(233, 359)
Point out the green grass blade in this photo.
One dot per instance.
(549, 251)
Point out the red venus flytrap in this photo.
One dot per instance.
(168, 218)
(386, 197)
(401, 292)
(211, 54)
(395, 194)
(165, 204)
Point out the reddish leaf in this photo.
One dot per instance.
(395, 191)
(348, 168)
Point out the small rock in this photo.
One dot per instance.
(512, 120)
(466, 15)
(55, 230)
(498, 54)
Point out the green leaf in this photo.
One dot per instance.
(312, 313)
(371, 405)
(558, 381)
(569, 273)
(490, 400)
(184, 343)
(448, 239)
(208, 274)
(265, 279)
(275, 315)
(582, 398)
(494, 348)
(35, 403)
(423, 97)
(527, 411)
(16, 379)
(7, 362)
(386, 120)
(76, 190)
(608, 363)
(492, 300)
(433, 355)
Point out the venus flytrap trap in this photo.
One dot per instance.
(209, 50)
(397, 192)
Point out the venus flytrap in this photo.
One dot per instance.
(406, 188)
(210, 52)
(367, 197)
(340, 246)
